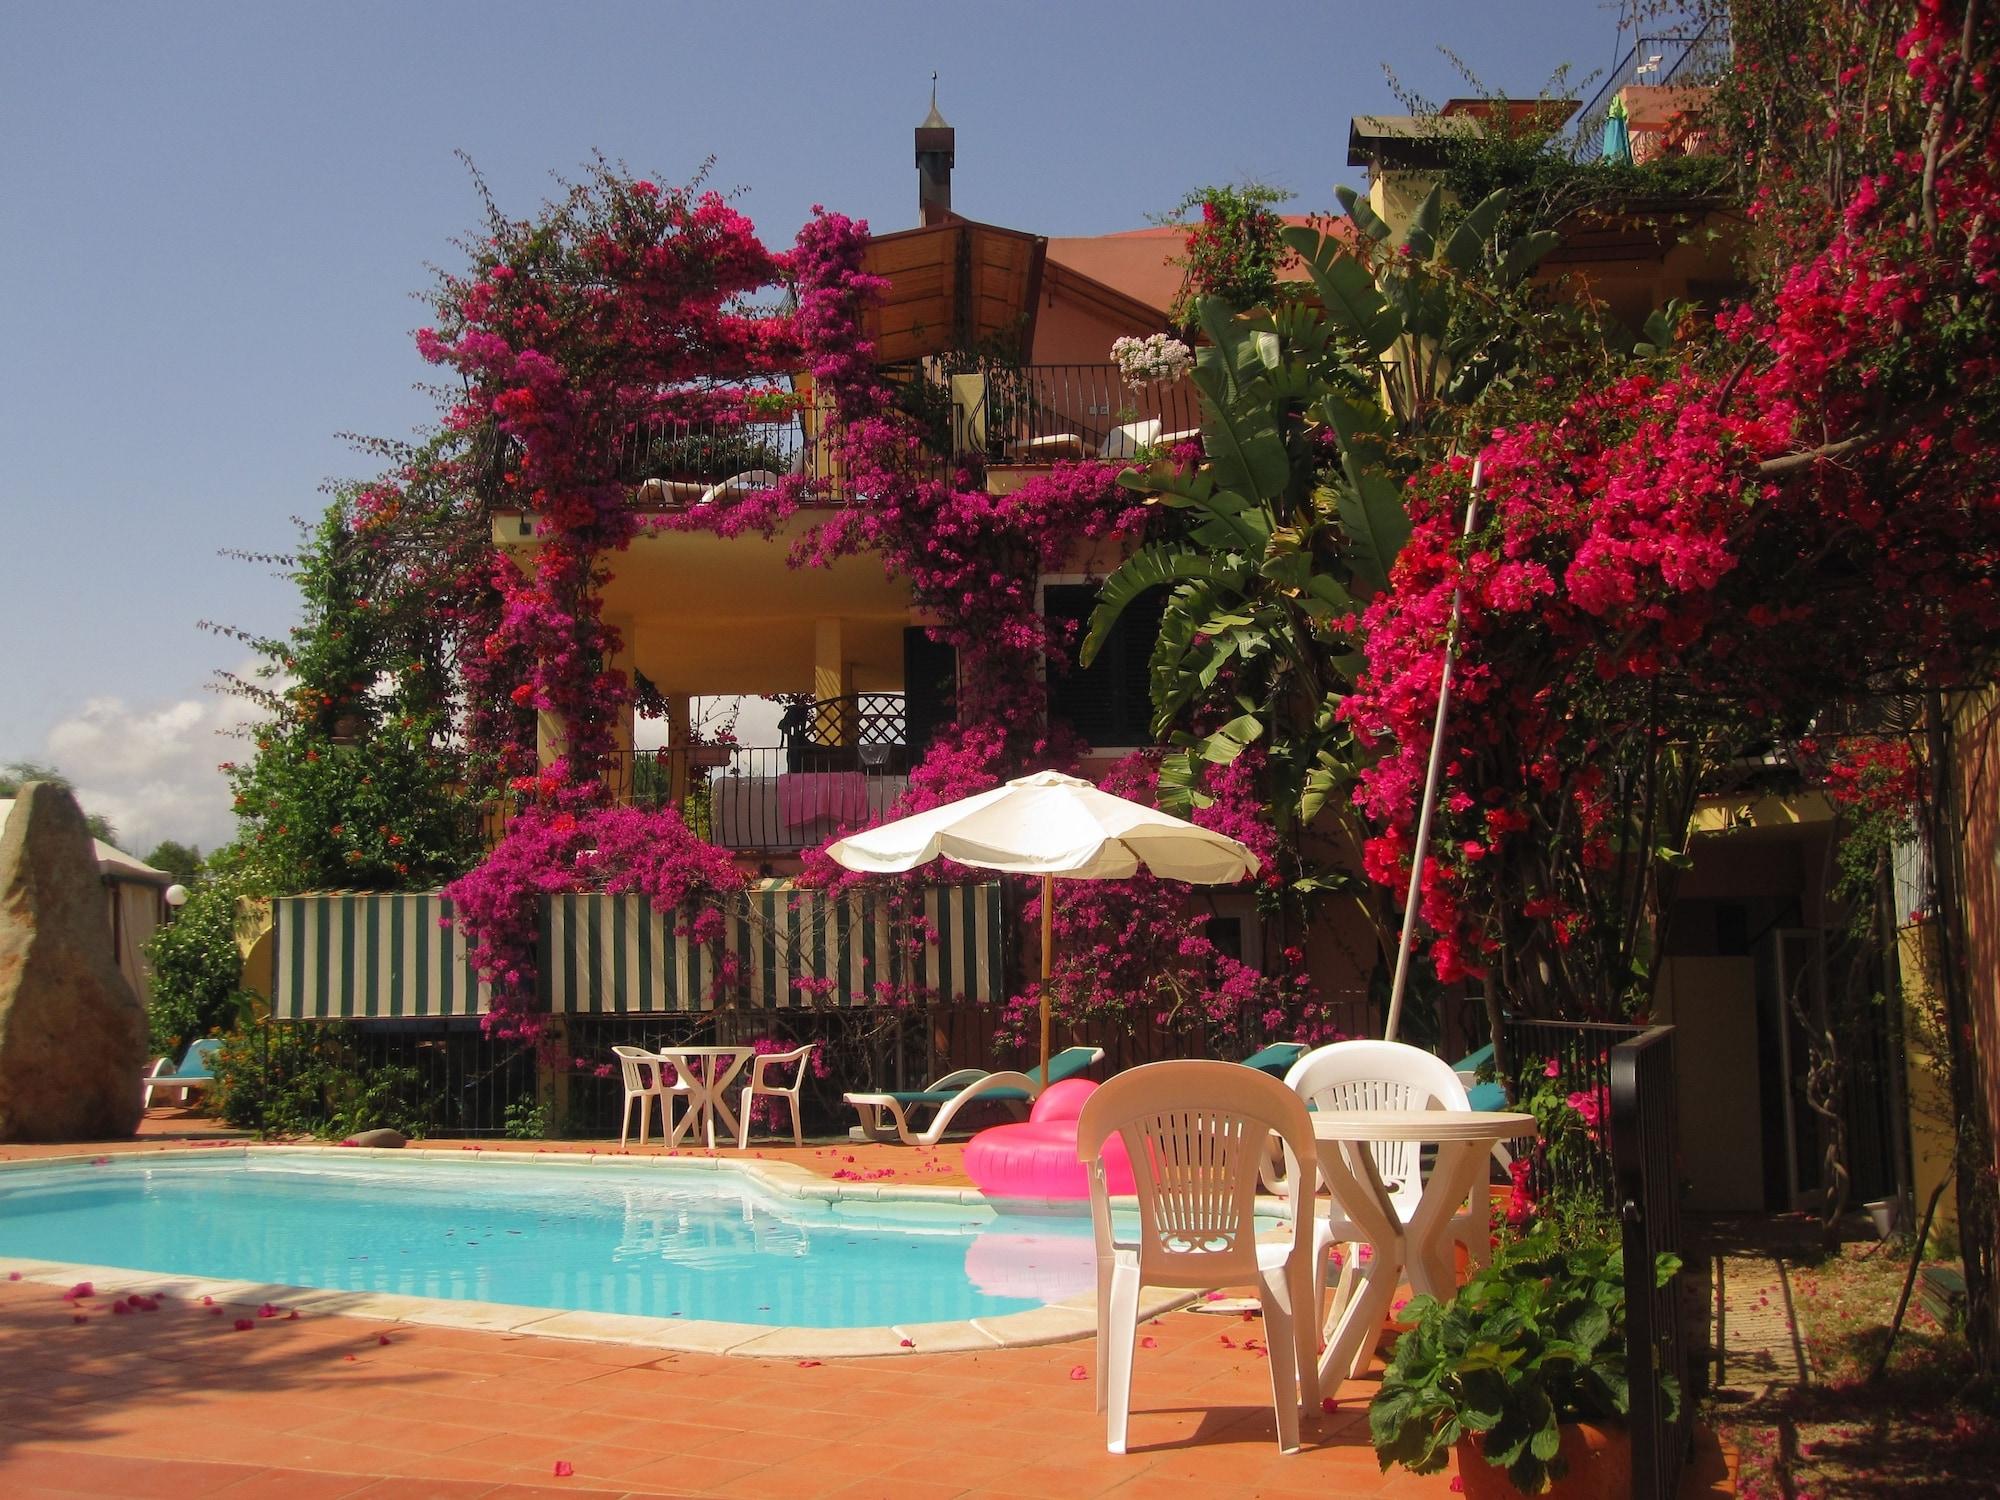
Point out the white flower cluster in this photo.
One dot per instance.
(1156, 357)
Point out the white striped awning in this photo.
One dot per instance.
(611, 955)
(369, 956)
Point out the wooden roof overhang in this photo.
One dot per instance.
(960, 285)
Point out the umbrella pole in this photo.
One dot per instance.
(1048, 950)
(1417, 856)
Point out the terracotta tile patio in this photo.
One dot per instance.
(180, 1403)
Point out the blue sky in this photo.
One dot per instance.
(213, 219)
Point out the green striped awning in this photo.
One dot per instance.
(610, 955)
(363, 955)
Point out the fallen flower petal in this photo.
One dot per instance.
(80, 1290)
(1329, 1403)
(381, 1338)
(909, 1343)
(563, 1469)
(809, 1364)
(244, 1325)
(1149, 1342)
(1078, 1372)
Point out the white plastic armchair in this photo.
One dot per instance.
(758, 1084)
(1383, 1075)
(646, 1080)
(1195, 1134)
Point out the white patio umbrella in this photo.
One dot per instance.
(1050, 825)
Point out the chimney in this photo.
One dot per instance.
(935, 149)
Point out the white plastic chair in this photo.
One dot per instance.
(1127, 438)
(645, 1081)
(1195, 1133)
(757, 1085)
(1383, 1075)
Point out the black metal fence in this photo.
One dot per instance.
(445, 1074)
(1644, 1146)
(1623, 1077)
(1576, 1055)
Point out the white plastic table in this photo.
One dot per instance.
(707, 1076)
(1464, 1139)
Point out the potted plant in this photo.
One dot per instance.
(1522, 1374)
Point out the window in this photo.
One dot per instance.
(1108, 702)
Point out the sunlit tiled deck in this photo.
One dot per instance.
(180, 1402)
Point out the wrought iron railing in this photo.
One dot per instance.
(1669, 57)
(1041, 413)
(765, 799)
(1581, 1053)
(1644, 1147)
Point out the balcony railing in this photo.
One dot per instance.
(765, 799)
(1041, 413)
(844, 762)
(995, 414)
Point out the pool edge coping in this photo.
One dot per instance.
(1053, 1323)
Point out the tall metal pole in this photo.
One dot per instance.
(1430, 787)
(1048, 950)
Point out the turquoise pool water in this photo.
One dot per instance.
(656, 1241)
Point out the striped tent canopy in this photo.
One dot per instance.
(612, 955)
(365, 955)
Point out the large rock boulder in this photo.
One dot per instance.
(72, 1032)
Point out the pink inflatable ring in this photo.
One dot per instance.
(1038, 1159)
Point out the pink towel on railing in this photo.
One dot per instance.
(807, 796)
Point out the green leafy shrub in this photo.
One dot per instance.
(197, 970)
(1531, 1341)
(304, 1079)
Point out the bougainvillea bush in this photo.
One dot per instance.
(1698, 557)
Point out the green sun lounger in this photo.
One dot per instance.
(1276, 1059)
(951, 1093)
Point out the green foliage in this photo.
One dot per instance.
(306, 1079)
(197, 968)
(352, 785)
(1314, 413)
(182, 861)
(1533, 1340)
(528, 1119)
(1232, 252)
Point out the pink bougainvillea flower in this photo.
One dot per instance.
(78, 1292)
(268, 1310)
(244, 1325)
(1078, 1372)
(563, 1468)
(909, 1343)
(1329, 1403)
(810, 1364)
(381, 1338)
(13, 1275)
(1149, 1342)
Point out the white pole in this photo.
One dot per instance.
(1430, 789)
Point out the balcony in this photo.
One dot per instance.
(844, 764)
(989, 413)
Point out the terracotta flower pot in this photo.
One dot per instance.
(1599, 1458)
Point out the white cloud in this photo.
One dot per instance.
(151, 769)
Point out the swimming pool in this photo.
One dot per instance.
(658, 1241)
